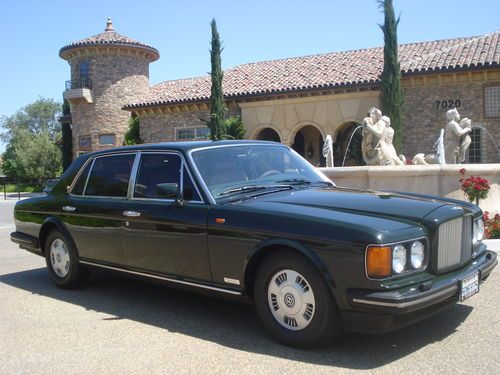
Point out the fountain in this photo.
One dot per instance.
(349, 143)
(490, 137)
(432, 175)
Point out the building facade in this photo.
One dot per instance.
(296, 101)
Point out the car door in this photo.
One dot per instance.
(161, 236)
(93, 211)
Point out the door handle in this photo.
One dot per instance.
(68, 208)
(131, 213)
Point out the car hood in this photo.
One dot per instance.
(387, 205)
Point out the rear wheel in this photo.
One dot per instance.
(62, 262)
(294, 302)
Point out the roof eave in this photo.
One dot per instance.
(243, 96)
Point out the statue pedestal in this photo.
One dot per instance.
(442, 180)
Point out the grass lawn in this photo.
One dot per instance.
(23, 187)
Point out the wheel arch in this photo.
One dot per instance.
(50, 224)
(264, 250)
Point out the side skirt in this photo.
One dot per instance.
(162, 278)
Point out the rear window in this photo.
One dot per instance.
(82, 179)
(110, 176)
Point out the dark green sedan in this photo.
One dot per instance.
(255, 222)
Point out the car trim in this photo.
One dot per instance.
(447, 292)
(169, 279)
(412, 272)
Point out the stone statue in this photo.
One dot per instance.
(328, 151)
(437, 158)
(452, 138)
(377, 144)
(465, 140)
(370, 144)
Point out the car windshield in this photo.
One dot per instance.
(229, 170)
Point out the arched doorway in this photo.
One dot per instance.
(354, 155)
(308, 142)
(268, 134)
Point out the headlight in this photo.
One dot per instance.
(417, 254)
(399, 258)
(478, 233)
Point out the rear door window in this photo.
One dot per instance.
(82, 179)
(110, 176)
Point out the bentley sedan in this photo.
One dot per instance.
(255, 222)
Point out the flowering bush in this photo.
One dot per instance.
(475, 187)
(491, 225)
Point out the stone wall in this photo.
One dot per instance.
(425, 114)
(116, 80)
(161, 125)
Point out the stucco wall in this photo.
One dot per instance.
(431, 179)
(287, 116)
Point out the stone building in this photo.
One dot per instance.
(296, 101)
(108, 71)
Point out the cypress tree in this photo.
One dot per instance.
(67, 136)
(216, 124)
(132, 136)
(392, 94)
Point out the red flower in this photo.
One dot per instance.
(462, 171)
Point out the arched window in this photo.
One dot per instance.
(269, 134)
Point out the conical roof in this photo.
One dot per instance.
(109, 38)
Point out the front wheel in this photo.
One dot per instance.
(62, 262)
(294, 302)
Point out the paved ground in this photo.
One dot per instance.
(116, 325)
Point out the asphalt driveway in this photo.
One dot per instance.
(116, 325)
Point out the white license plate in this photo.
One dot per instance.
(469, 286)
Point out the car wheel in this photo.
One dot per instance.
(62, 261)
(294, 302)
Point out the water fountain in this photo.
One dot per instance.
(490, 137)
(431, 176)
(349, 143)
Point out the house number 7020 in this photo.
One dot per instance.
(448, 104)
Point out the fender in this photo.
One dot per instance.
(258, 252)
(53, 221)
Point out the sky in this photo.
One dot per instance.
(33, 31)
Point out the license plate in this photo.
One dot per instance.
(469, 286)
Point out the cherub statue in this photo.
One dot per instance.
(377, 144)
(370, 147)
(452, 137)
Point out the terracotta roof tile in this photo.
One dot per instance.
(331, 70)
(108, 38)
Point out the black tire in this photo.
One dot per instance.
(71, 276)
(321, 328)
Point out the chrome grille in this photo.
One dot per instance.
(455, 242)
(466, 252)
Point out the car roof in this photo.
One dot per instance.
(181, 146)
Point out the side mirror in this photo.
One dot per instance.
(170, 191)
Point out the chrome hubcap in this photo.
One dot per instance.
(291, 300)
(59, 257)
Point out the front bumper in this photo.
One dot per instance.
(383, 311)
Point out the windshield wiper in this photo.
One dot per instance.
(301, 181)
(294, 181)
(241, 189)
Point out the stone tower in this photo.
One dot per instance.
(108, 71)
